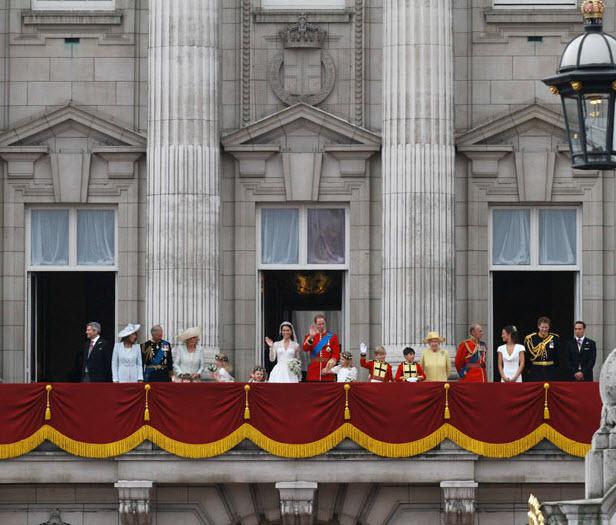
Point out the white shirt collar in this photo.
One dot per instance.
(93, 341)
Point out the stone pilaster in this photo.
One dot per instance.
(458, 502)
(297, 502)
(183, 188)
(134, 498)
(418, 173)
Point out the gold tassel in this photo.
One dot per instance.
(546, 410)
(347, 412)
(247, 408)
(48, 388)
(146, 414)
(447, 412)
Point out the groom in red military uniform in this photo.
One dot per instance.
(323, 346)
(471, 357)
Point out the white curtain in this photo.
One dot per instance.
(49, 237)
(279, 236)
(511, 237)
(557, 236)
(326, 236)
(95, 237)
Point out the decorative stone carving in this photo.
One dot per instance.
(302, 72)
(55, 519)
(297, 502)
(358, 34)
(134, 497)
(246, 60)
(21, 160)
(459, 502)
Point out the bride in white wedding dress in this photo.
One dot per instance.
(283, 351)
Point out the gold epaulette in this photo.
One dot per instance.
(555, 335)
(529, 336)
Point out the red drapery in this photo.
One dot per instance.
(301, 420)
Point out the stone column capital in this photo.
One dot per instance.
(297, 501)
(134, 498)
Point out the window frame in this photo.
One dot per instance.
(303, 237)
(300, 5)
(72, 265)
(535, 4)
(535, 239)
(73, 5)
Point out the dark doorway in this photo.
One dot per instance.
(62, 304)
(296, 296)
(520, 298)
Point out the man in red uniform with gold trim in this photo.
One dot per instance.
(471, 357)
(323, 346)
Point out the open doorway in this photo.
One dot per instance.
(62, 304)
(297, 296)
(520, 298)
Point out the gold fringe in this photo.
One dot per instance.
(146, 413)
(447, 414)
(48, 389)
(347, 412)
(247, 408)
(546, 409)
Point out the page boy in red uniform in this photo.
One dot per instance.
(409, 370)
(380, 370)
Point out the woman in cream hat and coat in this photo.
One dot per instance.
(126, 365)
(188, 356)
(434, 360)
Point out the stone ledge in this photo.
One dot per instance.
(71, 18)
(532, 16)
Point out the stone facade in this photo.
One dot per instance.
(213, 110)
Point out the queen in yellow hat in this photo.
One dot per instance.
(435, 360)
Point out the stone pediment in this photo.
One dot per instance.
(302, 139)
(67, 120)
(530, 143)
(302, 120)
(67, 138)
(533, 120)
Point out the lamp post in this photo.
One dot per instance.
(586, 83)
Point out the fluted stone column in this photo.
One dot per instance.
(183, 195)
(418, 180)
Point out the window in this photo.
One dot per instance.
(303, 236)
(73, 5)
(536, 4)
(77, 238)
(534, 237)
(304, 5)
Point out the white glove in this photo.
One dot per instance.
(411, 379)
(363, 349)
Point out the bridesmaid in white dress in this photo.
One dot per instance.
(283, 351)
(510, 356)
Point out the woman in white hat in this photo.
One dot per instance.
(188, 356)
(126, 365)
(434, 360)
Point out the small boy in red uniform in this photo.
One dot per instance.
(380, 371)
(409, 370)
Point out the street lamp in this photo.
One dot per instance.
(586, 83)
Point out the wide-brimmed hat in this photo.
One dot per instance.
(189, 333)
(433, 335)
(130, 328)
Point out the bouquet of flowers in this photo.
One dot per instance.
(212, 368)
(295, 367)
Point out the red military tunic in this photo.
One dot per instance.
(471, 362)
(406, 370)
(331, 350)
(380, 371)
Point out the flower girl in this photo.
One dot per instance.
(345, 371)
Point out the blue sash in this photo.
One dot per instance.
(159, 356)
(321, 344)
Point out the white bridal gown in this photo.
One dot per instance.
(281, 373)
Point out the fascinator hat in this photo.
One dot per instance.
(129, 329)
(189, 333)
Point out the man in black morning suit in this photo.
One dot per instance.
(581, 354)
(94, 360)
